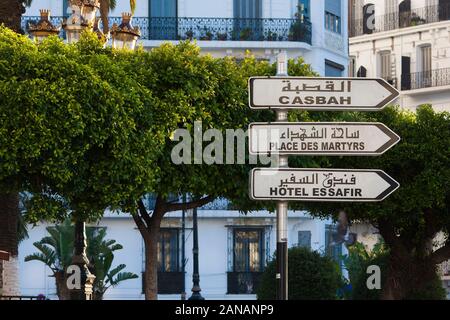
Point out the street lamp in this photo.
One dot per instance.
(196, 275)
(83, 17)
(89, 10)
(124, 36)
(43, 28)
(76, 23)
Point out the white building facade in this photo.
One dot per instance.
(233, 251)
(313, 29)
(234, 248)
(406, 42)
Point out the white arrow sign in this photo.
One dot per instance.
(320, 184)
(330, 94)
(321, 138)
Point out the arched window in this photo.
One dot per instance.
(362, 72)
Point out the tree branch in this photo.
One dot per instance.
(440, 255)
(189, 205)
(140, 224)
(143, 212)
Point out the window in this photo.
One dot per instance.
(248, 9)
(246, 245)
(304, 239)
(362, 72)
(332, 22)
(247, 20)
(170, 277)
(425, 61)
(304, 8)
(163, 20)
(332, 249)
(333, 69)
(385, 65)
(163, 8)
(168, 248)
(248, 250)
(333, 15)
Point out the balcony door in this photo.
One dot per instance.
(163, 19)
(406, 73)
(404, 12)
(247, 24)
(444, 10)
(426, 73)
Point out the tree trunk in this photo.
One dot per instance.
(151, 262)
(409, 269)
(9, 212)
(104, 12)
(11, 13)
(61, 286)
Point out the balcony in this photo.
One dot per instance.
(220, 29)
(399, 20)
(243, 282)
(426, 79)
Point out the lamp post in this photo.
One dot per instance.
(83, 17)
(43, 28)
(195, 276)
(124, 36)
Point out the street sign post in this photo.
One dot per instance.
(326, 94)
(321, 138)
(283, 138)
(335, 185)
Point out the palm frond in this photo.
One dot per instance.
(111, 274)
(123, 276)
(132, 6)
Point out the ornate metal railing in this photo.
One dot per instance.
(211, 28)
(426, 79)
(397, 20)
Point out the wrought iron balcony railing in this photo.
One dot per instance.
(400, 19)
(211, 28)
(426, 79)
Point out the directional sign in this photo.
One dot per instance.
(321, 138)
(320, 184)
(330, 94)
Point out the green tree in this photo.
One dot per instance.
(311, 277)
(92, 132)
(56, 251)
(213, 91)
(412, 216)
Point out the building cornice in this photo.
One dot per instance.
(399, 32)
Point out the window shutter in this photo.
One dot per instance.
(333, 6)
(304, 239)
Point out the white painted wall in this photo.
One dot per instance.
(213, 248)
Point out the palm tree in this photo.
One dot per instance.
(11, 13)
(101, 256)
(56, 252)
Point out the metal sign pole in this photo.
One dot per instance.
(282, 206)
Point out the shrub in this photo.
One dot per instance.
(311, 276)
